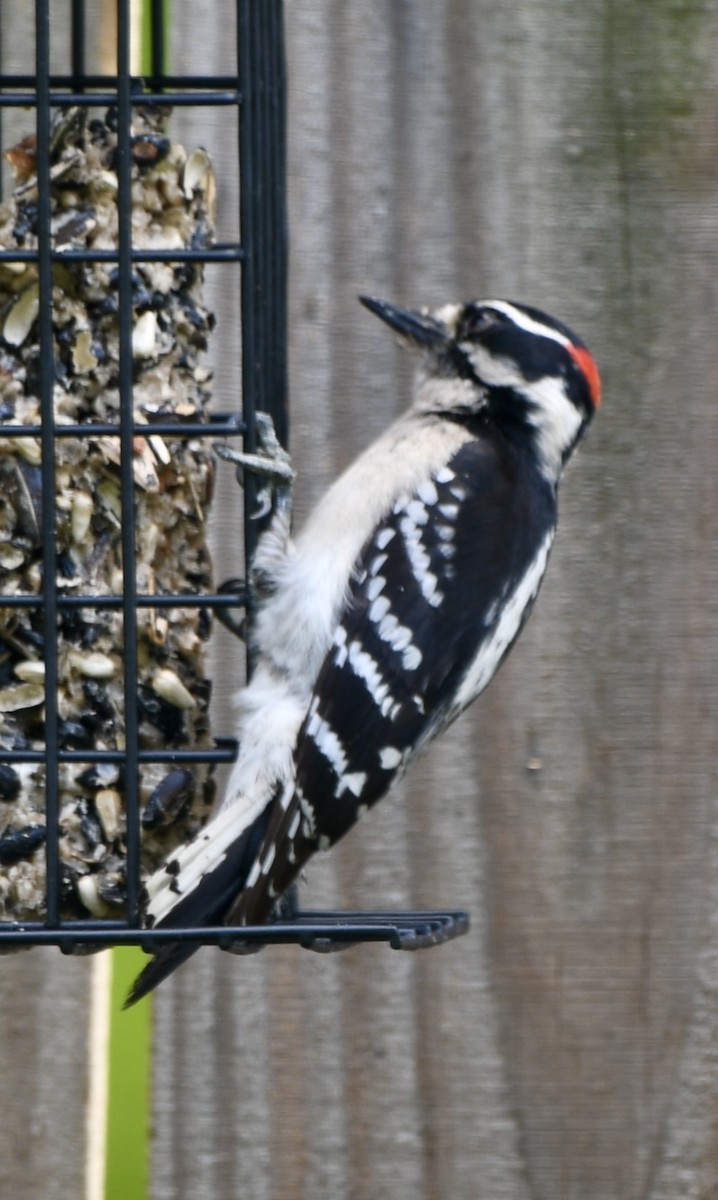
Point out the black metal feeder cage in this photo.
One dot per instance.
(56, 604)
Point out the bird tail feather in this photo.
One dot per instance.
(196, 887)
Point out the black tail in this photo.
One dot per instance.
(207, 904)
(165, 961)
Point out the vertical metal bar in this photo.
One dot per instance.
(158, 42)
(46, 377)
(129, 598)
(264, 153)
(77, 47)
(262, 226)
(1, 111)
(271, 216)
(278, 231)
(248, 285)
(262, 220)
(261, 200)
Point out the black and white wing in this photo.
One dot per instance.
(438, 595)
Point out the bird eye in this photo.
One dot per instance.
(478, 320)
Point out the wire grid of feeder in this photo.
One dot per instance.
(257, 92)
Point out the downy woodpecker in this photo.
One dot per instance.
(392, 609)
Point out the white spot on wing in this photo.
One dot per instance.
(340, 643)
(326, 740)
(268, 859)
(427, 492)
(416, 512)
(353, 783)
(375, 587)
(379, 609)
(384, 537)
(329, 745)
(391, 631)
(309, 818)
(419, 561)
(430, 588)
(253, 875)
(367, 670)
(411, 658)
(444, 475)
(389, 758)
(399, 638)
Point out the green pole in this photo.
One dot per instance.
(129, 1086)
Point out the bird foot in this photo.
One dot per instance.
(239, 590)
(271, 462)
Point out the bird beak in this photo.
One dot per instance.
(422, 329)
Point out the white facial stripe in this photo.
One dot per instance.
(524, 321)
(492, 370)
(557, 422)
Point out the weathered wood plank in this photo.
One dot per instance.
(565, 155)
(455, 149)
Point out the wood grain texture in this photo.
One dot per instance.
(44, 1072)
(563, 155)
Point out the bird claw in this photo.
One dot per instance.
(272, 464)
(238, 588)
(265, 496)
(271, 460)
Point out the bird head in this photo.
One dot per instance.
(504, 364)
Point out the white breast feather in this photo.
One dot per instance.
(295, 628)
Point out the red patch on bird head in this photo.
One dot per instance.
(587, 365)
